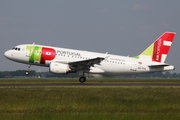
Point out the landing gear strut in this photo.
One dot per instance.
(28, 68)
(82, 79)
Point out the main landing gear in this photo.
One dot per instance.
(28, 68)
(82, 79)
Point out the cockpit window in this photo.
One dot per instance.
(16, 48)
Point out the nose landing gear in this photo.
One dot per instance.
(28, 68)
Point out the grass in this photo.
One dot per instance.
(89, 103)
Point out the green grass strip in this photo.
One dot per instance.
(90, 103)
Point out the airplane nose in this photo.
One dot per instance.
(7, 54)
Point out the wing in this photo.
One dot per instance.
(85, 64)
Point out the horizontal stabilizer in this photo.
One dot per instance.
(165, 67)
(159, 65)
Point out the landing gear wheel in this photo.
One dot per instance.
(27, 73)
(28, 68)
(82, 79)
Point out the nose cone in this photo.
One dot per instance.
(7, 54)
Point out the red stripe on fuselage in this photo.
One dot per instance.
(47, 54)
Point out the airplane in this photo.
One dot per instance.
(64, 61)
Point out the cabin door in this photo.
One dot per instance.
(134, 65)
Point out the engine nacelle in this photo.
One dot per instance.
(58, 68)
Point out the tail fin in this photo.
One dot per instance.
(158, 51)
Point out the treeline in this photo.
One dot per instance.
(32, 73)
(17, 73)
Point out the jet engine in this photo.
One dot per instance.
(59, 68)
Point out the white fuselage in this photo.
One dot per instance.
(112, 64)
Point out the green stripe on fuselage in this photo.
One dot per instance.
(35, 54)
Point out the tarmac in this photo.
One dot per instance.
(90, 84)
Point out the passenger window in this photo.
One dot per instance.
(18, 49)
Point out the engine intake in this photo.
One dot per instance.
(59, 68)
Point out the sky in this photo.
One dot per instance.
(114, 26)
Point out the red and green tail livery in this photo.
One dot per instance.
(158, 51)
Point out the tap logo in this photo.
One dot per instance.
(40, 54)
(47, 54)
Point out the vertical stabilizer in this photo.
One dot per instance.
(158, 51)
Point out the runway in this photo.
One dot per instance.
(90, 84)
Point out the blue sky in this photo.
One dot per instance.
(117, 27)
